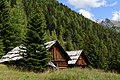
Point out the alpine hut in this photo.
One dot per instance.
(78, 59)
(59, 56)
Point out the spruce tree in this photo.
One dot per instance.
(61, 40)
(69, 46)
(1, 48)
(13, 25)
(48, 36)
(1, 27)
(54, 36)
(17, 24)
(37, 56)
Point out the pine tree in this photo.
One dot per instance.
(4, 16)
(37, 56)
(13, 25)
(1, 27)
(69, 45)
(48, 36)
(54, 36)
(61, 40)
(103, 53)
(18, 24)
(1, 49)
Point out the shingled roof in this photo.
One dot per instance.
(13, 55)
(74, 55)
(50, 44)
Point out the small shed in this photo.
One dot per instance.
(78, 59)
(59, 56)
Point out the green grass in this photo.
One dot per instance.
(66, 74)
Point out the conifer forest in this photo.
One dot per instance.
(34, 22)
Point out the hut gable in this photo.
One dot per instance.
(59, 56)
(78, 58)
(58, 53)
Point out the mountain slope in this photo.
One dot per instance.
(74, 31)
(116, 23)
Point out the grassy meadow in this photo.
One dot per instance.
(66, 74)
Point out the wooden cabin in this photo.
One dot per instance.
(59, 56)
(78, 59)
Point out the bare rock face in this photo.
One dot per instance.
(109, 23)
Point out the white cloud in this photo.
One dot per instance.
(113, 4)
(89, 3)
(86, 14)
(116, 15)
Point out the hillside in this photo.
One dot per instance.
(70, 74)
(18, 17)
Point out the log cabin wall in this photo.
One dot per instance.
(81, 61)
(58, 58)
(61, 64)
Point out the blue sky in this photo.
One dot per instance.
(95, 9)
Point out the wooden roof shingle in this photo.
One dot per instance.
(74, 55)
